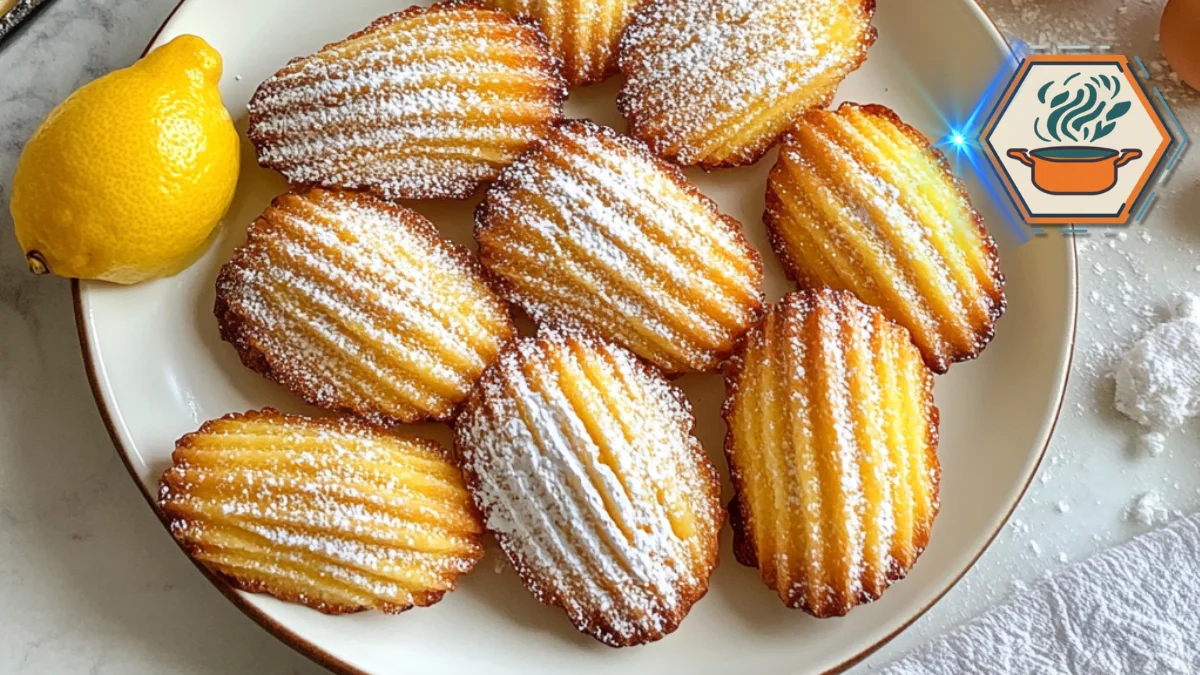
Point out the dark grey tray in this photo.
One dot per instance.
(19, 13)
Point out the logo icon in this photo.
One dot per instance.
(1075, 139)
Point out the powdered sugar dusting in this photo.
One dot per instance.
(357, 304)
(858, 201)
(702, 73)
(583, 33)
(874, 208)
(845, 448)
(425, 103)
(325, 512)
(584, 465)
(590, 230)
(820, 461)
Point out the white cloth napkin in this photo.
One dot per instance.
(1131, 610)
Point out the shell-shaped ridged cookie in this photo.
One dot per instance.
(589, 229)
(717, 82)
(329, 513)
(583, 462)
(859, 201)
(582, 33)
(832, 447)
(424, 103)
(356, 304)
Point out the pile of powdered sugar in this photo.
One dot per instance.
(1158, 386)
(1148, 509)
(1158, 379)
(1128, 346)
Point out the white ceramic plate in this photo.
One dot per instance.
(159, 369)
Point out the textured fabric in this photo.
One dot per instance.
(1131, 610)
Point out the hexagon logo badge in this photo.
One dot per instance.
(1074, 139)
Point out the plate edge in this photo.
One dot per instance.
(264, 621)
(327, 660)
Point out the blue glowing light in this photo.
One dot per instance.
(963, 144)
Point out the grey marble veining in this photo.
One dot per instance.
(91, 583)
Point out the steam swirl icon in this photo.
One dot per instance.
(1081, 111)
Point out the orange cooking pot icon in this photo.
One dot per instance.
(1074, 169)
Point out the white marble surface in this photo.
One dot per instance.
(90, 583)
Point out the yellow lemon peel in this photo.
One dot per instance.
(129, 176)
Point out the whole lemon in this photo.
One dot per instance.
(125, 179)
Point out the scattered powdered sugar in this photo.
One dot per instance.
(1017, 587)
(1074, 22)
(414, 108)
(584, 500)
(1121, 304)
(1151, 443)
(1187, 305)
(1148, 509)
(1158, 379)
(695, 68)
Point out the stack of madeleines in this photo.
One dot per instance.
(571, 446)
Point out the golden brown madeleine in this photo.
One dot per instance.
(329, 513)
(583, 462)
(582, 33)
(832, 447)
(589, 229)
(356, 304)
(717, 82)
(859, 201)
(424, 103)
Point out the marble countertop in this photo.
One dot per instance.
(91, 583)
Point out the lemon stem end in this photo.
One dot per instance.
(37, 263)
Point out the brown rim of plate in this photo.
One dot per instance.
(335, 664)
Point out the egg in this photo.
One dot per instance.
(1177, 35)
